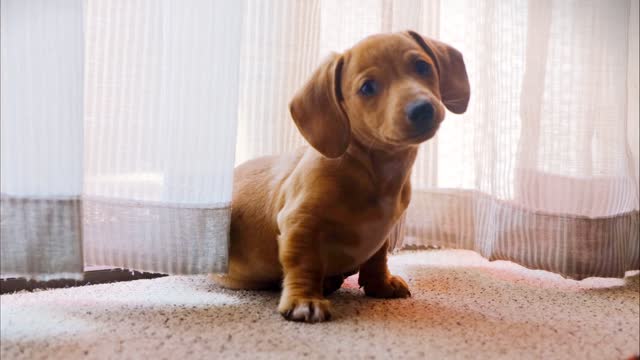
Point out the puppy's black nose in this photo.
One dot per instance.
(420, 113)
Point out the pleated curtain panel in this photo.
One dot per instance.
(122, 121)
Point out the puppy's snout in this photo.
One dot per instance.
(420, 114)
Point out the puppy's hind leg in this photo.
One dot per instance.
(229, 282)
(242, 277)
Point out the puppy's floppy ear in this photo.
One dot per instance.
(317, 112)
(454, 83)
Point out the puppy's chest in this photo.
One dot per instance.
(356, 241)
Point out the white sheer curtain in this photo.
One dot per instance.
(118, 129)
(41, 87)
(543, 167)
(541, 170)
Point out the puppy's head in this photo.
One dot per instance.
(388, 91)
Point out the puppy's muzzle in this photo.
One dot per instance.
(421, 115)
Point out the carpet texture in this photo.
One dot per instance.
(462, 307)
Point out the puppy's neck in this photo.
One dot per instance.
(389, 170)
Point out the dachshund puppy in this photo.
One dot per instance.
(306, 220)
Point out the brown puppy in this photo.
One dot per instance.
(305, 220)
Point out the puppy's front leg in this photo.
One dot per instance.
(303, 266)
(376, 279)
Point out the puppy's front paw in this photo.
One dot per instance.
(309, 310)
(390, 287)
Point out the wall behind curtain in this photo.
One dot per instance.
(541, 169)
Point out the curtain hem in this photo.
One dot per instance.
(47, 239)
(41, 238)
(573, 246)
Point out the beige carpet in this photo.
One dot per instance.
(462, 307)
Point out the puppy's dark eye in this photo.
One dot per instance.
(423, 68)
(369, 88)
